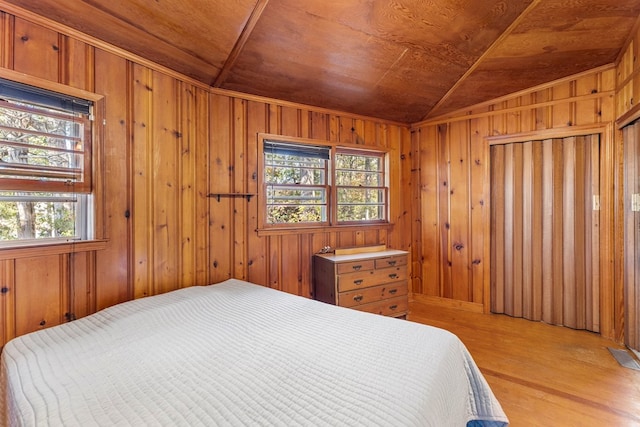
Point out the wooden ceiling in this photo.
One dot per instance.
(402, 60)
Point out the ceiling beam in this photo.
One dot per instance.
(240, 43)
(482, 57)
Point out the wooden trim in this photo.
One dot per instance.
(464, 113)
(314, 108)
(48, 84)
(485, 54)
(486, 229)
(547, 134)
(322, 229)
(448, 303)
(629, 117)
(552, 103)
(612, 244)
(333, 144)
(37, 249)
(241, 42)
(620, 85)
(360, 249)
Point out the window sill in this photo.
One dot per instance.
(276, 231)
(36, 249)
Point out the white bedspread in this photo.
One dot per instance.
(238, 354)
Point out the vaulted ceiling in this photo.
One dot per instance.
(402, 60)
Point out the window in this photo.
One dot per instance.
(306, 183)
(360, 186)
(45, 164)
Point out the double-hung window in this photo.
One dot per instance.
(313, 184)
(360, 186)
(45, 165)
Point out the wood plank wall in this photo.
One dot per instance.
(451, 253)
(283, 261)
(167, 142)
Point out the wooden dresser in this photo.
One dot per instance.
(369, 281)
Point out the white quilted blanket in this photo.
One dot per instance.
(237, 354)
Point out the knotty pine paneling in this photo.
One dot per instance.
(36, 50)
(41, 292)
(154, 135)
(113, 176)
(453, 187)
(282, 261)
(169, 205)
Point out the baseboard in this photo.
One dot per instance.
(448, 303)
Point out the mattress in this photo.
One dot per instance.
(238, 354)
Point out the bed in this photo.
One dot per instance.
(238, 354)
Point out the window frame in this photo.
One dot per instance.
(88, 190)
(332, 215)
(384, 188)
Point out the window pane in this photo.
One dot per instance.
(361, 204)
(294, 170)
(295, 181)
(295, 204)
(290, 214)
(360, 196)
(32, 215)
(348, 213)
(359, 162)
(364, 179)
(39, 144)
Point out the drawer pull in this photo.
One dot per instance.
(356, 267)
(358, 282)
(393, 276)
(392, 262)
(358, 298)
(393, 307)
(393, 291)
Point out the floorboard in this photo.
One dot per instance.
(544, 375)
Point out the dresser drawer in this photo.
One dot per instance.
(372, 294)
(394, 261)
(388, 307)
(365, 279)
(355, 266)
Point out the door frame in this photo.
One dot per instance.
(611, 290)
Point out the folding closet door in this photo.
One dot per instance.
(632, 235)
(544, 231)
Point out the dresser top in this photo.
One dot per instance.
(364, 255)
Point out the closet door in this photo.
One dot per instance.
(632, 235)
(544, 231)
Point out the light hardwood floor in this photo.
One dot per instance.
(544, 375)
